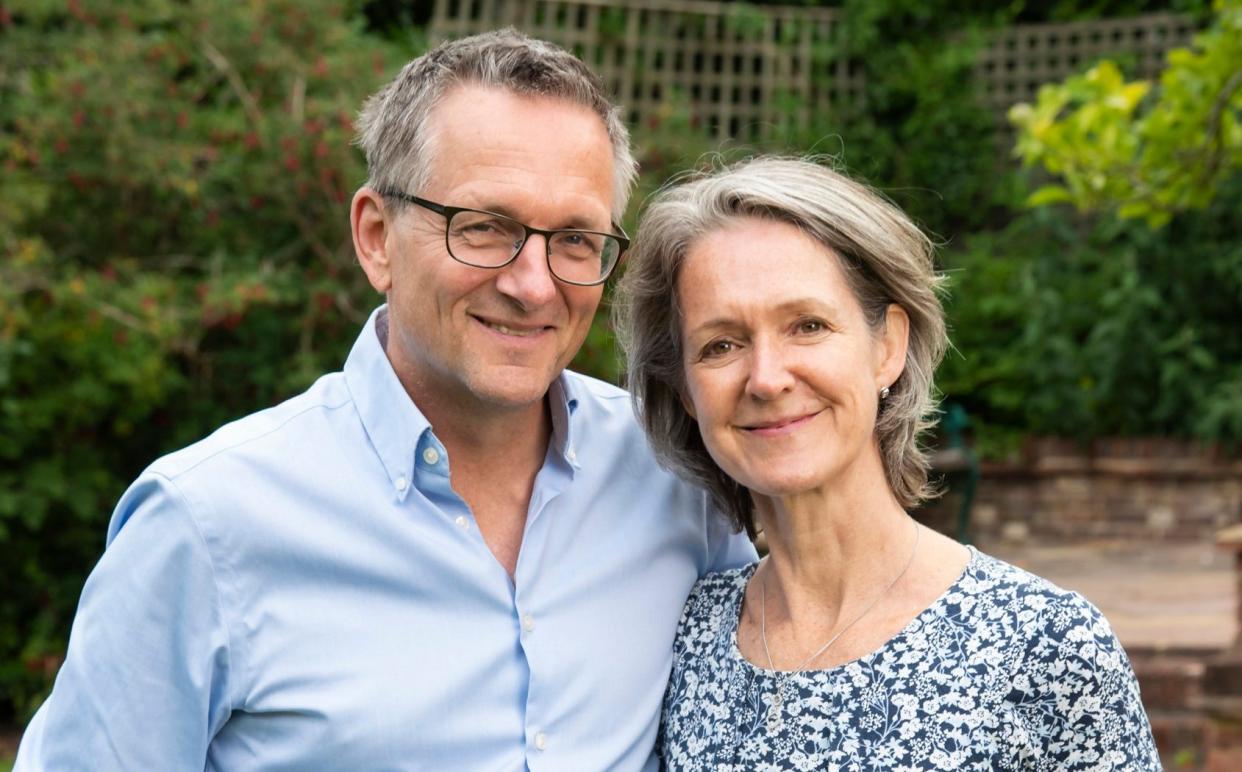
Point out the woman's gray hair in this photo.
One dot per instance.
(392, 127)
(885, 257)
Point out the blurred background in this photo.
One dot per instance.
(175, 253)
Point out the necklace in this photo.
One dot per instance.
(776, 708)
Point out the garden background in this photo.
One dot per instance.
(175, 252)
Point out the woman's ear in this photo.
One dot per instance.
(687, 403)
(891, 351)
(369, 223)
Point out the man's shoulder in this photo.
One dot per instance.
(268, 431)
(601, 405)
(595, 390)
(605, 414)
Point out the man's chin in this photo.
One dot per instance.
(512, 391)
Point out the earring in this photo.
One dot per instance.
(884, 392)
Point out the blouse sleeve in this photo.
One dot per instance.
(1077, 693)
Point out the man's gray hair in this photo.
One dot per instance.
(392, 127)
(885, 257)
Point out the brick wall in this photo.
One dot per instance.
(1115, 489)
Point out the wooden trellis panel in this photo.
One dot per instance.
(1022, 58)
(748, 73)
(740, 72)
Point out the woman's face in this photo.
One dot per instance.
(782, 370)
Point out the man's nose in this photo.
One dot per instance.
(528, 280)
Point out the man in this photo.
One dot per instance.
(451, 555)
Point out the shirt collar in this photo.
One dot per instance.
(393, 422)
(563, 404)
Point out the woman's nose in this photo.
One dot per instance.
(769, 375)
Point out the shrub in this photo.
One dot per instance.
(175, 253)
(1096, 327)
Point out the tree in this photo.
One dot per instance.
(174, 252)
(1145, 152)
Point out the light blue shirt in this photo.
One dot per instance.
(303, 590)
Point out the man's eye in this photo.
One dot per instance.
(482, 226)
(575, 244)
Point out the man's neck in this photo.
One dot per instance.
(493, 469)
(495, 452)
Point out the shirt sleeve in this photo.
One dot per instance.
(1083, 700)
(145, 678)
(725, 549)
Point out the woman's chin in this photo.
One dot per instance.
(785, 485)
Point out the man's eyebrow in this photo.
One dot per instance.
(572, 222)
(584, 224)
(496, 209)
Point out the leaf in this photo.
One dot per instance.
(1049, 194)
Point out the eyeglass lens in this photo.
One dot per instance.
(489, 241)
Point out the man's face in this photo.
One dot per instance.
(487, 339)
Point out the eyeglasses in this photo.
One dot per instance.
(489, 240)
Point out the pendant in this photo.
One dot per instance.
(776, 709)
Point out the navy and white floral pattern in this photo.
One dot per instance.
(1005, 671)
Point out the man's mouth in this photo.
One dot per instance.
(519, 332)
(511, 330)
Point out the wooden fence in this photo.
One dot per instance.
(739, 71)
(749, 72)
(1022, 58)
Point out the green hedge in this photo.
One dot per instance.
(1090, 328)
(175, 253)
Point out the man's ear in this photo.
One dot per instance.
(368, 220)
(894, 340)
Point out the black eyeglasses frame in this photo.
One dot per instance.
(448, 212)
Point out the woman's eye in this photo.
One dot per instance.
(718, 348)
(811, 326)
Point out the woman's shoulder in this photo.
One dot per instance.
(719, 590)
(993, 583)
(1065, 654)
(711, 610)
(726, 581)
(1049, 623)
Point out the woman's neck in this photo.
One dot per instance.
(832, 550)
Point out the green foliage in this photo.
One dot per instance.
(175, 252)
(1146, 153)
(919, 131)
(1094, 328)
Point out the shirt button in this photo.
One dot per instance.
(431, 456)
(401, 484)
(571, 455)
(462, 522)
(541, 740)
(528, 624)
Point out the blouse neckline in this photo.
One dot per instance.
(921, 618)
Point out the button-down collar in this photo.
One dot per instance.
(398, 430)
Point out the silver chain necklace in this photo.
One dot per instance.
(776, 708)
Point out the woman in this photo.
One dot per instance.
(782, 325)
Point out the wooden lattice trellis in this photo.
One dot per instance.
(746, 72)
(1022, 58)
(741, 72)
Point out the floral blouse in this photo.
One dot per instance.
(1004, 671)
